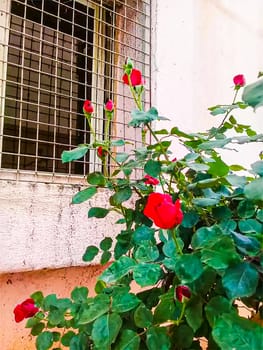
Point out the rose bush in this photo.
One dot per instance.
(194, 243)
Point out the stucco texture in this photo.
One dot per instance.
(16, 287)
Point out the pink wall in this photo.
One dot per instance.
(16, 287)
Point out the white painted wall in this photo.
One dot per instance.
(200, 46)
(40, 228)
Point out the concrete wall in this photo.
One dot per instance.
(201, 46)
(40, 228)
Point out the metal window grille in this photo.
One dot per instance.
(56, 54)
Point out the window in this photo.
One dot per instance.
(57, 53)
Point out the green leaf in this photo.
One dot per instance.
(128, 340)
(205, 202)
(250, 226)
(56, 317)
(258, 167)
(245, 244)
(124, 302)
(207, 145)
(142, 118)
(205, 236)
(84, 195)
(191, 218)
(253, 94)
(246, 209)
(153, 168)
(168, 308)
(143, 317)
(218, 167)
(170, 248)
(194, 313)
(183, 336)
(66, 338)
(105, 257)
(90, 253)
(117, 143)
(143, 233)
(146, 252)
(221, 213)
(121, 195)
(118, 269)
(236, 180)
(96, 212)
(157, 339)
(44, 340)
(37, 328)
(236, 167)
(254, 190)
(188, 268)
(215, 307)
(220, 254)
(218, 110)
(38, 297)
(74, 154)
(121, 157)
(240, 280)
(96, 179)
(106, 243)
(147, 274)
(101, 305)
(78, 342)
(198, 166)
(105, 330)
(79, 294)
(233, 332)
(259, 217)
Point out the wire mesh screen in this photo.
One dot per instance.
(58, 53)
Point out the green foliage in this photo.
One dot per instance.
(74, 154)
(216, 252)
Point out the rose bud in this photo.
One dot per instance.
(101, 152)
(239, 80)
(183, 293)
(109, 106)
(162, 211)
(149, 180)
(135, 77)
(25, 310)
(88, 107)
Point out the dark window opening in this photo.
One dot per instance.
(49, 75)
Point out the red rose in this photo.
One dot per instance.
(149, 180)
(162, 211)
(239, 80)
(109, 106)
(101, 152)
(136, 78)
(88, 107)
(25, 310)
(183, 293)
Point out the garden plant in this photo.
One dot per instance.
(190, 238)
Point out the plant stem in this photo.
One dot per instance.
(178, 248)
(228, 112)
(181, 315)
(158, 141)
